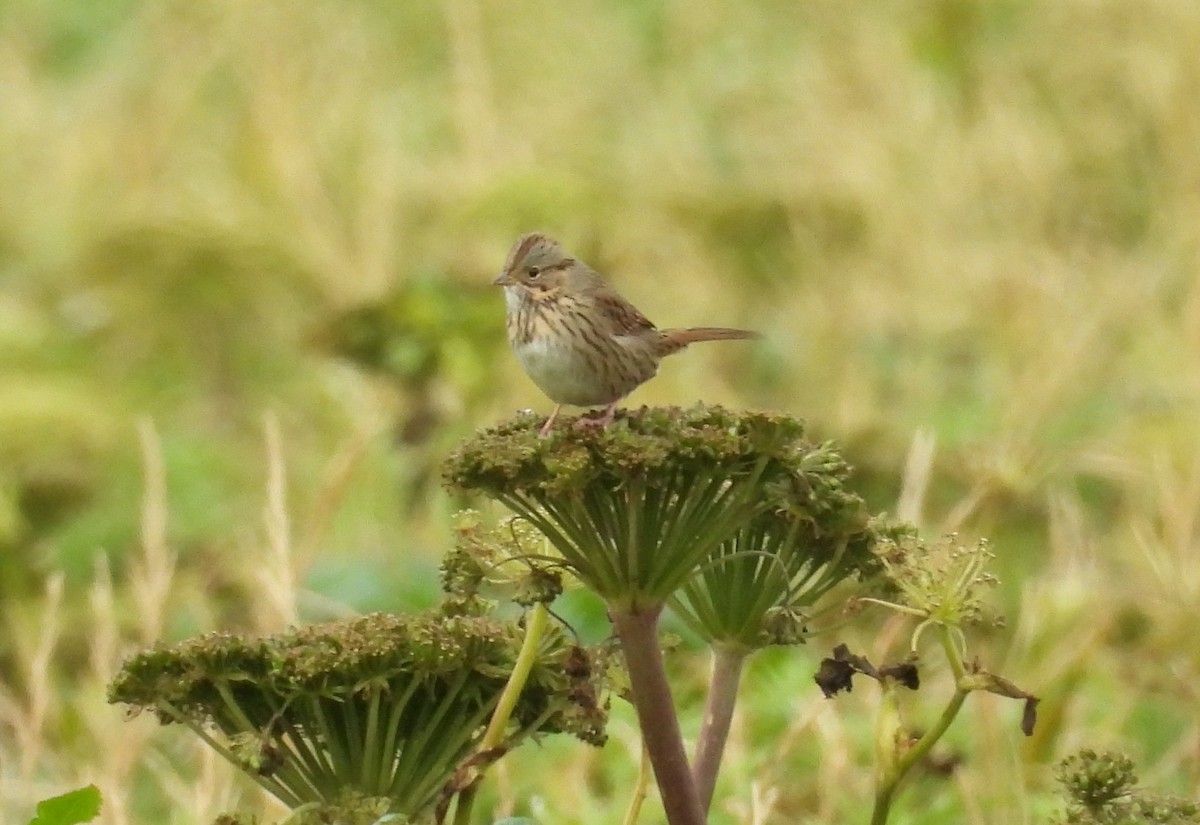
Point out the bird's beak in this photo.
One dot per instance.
(503, 279)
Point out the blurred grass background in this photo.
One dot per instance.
(245, 251)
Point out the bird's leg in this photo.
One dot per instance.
(545, 430)
(601, 421)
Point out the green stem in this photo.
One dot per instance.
(946, 637)
(372, 754)
(922, 746)
(316, 768)
(639, 792)
(339, 762)
(415, 758)
(883, 804)
(535, 626)
(394, 738)
(280, 792)
(464, 804)
(887, 789)
(890, 780)
(493, 737)
(718, 715)
(638, 631)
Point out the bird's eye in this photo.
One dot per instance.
(534, 271)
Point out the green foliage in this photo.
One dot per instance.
(71, 808)
(377, 711)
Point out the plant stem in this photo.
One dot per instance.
(535, 626)
(493, 737)
(639, 791)
(883, 803)
(887, 786)
(922, 746)
(464, 804)
(887, 789)
(718, 714)
(638, 632)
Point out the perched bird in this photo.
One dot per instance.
(581, 342)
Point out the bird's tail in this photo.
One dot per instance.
(676, 339)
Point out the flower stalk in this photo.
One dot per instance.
(494, 736)
(727, 663)
(638, 633)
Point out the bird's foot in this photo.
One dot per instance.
(545, 430)
(599, 422)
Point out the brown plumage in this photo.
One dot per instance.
(581, 342)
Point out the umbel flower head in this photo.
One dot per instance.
(940, 583)
(757, 587)
(377, 711)
(1102, 788)
(635, 508)
(506, 561)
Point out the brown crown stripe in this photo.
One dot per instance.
(522, 249)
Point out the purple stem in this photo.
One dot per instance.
(638, 632)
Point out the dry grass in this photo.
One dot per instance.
(967, 229)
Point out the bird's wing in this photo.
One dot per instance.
(620, 316)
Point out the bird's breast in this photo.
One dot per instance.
(571, 357)
(562, 371)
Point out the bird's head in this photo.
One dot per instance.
(537, 265)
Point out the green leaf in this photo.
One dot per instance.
(71, 808)
(515, 820)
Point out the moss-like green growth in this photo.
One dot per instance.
(637, 507)
(381, 707)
